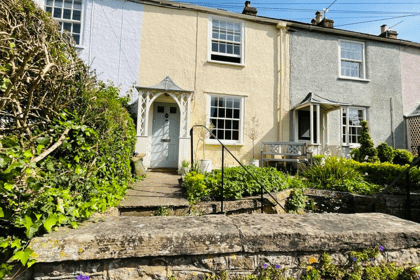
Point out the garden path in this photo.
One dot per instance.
(157, 189)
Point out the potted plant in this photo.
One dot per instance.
(252, 131)
(205, 164)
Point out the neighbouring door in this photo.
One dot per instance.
(165, 135)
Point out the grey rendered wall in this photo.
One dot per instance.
(314, 66)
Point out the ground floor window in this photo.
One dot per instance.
(352, 118)
(226, 117)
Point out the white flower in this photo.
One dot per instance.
(323, 161)
(366, 157)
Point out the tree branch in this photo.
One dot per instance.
(52, 148)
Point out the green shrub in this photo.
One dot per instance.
(237, 183)
(402, 157)
(296, 202)
(366, 152)
(337, 174)
(385, 152)
(73, 158)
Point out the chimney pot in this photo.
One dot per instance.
(313, 21)
(384, 28)
(318, 15)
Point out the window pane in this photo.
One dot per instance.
(235, 124)
(237, 50)
(48, 9)
(57, 13)
(67, 14)
(221, 112)
(58, 3)
(229, 113)
(67, 26)
(230, 48)
(228, 135)
(222, 48)
(222, 24)
(216, 23)
(76, 28)
(228, 124)
(235, 135)
(214, 47)
(230, 36)
(236, 103)
(214, 101)
(68, 3)
(220, 134)
(229, 103)
(76, 39)
(237, 27)
(213, 112)
(76, 15)
(215, 35)
(236, 114)
(221, 102)
(77, 4)
(50, 2)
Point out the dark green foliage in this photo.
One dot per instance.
(296, 203)
(337, 174)
(402, 157)
(367, 151)
(385, 152)
(237, 183)
(76, 160)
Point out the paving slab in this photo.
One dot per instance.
(157, 189)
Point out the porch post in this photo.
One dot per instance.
(318, 122)
(146, 116)
(327, 137)
(324, 132)
(311, 130)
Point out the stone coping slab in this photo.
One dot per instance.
(127, 237)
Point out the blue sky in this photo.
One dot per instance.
(404, 14)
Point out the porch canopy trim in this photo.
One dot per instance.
(326, 104)
(415, 113)
(166, 84)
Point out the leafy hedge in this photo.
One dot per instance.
(237, 183)
(362, 177)
(67, 155)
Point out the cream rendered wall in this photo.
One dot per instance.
(175, 43)
(410, 76)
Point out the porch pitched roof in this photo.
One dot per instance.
(415, 113)
(326, 104)
(166, 84)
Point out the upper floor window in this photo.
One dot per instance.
(352, 59)
(226, 42)
(226, 116)
(69, 14)
(352, 118)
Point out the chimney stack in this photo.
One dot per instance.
(248, 10)
(323, 22)
(388, 33)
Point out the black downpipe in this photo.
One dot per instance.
(223, 177)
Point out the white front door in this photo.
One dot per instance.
(165, 135)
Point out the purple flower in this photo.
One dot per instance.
(354, 259)
(372, 259)
(381, 248)
(81, 277)
(277, 266)
(265, 265)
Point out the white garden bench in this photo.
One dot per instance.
(294, 152)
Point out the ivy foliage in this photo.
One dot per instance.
(66, 138)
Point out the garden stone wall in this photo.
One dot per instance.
(191, 247)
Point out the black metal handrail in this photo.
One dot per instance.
(407, 188)
(223, 168)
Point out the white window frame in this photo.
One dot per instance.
(81, 21)
(241, 120)
(347, 125)
(210, 39)
(363, 62)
